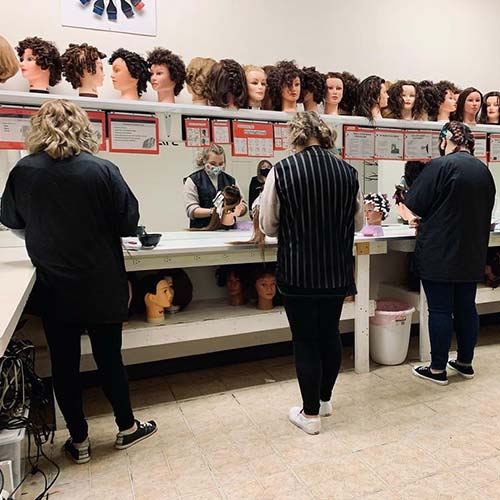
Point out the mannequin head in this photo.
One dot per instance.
(377, 208)
(263, 169)
(285, 84)
(227, 86)
(9, 65)
(83, 68)
(168, 73)
(196, 78)
(490, 111)
(256, 79)
(235, 279)
(372, 97)
(313, 88)
(405, 101)
(308, 128)
(40, 63)
(159, 292)
(468, 106)
(265, 288)
(454, 137)
(182, 289)
(267, 102)
(130, 73)
(334, 92)
(350, 93)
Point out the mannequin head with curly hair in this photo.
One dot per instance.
(372, 97)
(196, 78)
(130, 73)
(83, 68)
(334, 92)
(9, 65)
(267, 103)
(446, 101)
(40, 63)
(406, 101)
(168, 73)
(256, 85)
(285, 84)
(307, 129)
(350, 94)
(313, 88)
(490, 111)
(377, 208)
(469, 105)
(227, 86)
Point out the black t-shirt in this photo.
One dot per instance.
(454, 196)
(254, 190)
(73, 212)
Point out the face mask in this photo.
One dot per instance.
(264, 172)
(213, 170)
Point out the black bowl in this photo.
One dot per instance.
(150, 240)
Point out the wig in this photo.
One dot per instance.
(197, 73)
(309, 125)
(227, 78)
(172, 62)
(267, 103)
(46, 54)
(136, 65)
(77, 60)
(460, 134)
(9, 65)
(314, 82)
(282, 76)
(484, 108)
(430, 95)
(396, 102)
(380, 203)
(241, 271)
(459, 113)
(369, 96)
(350, 96)
(259, 271)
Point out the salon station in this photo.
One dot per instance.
(196, 130)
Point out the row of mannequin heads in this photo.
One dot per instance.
(226, 83)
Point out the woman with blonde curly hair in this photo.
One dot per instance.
(73, 207)
(312, 203)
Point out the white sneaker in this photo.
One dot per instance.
(325, 408)
(308, 425)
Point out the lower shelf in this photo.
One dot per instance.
(206, 320)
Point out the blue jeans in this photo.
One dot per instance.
(452, 307)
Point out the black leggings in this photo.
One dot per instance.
(64, 345)
(314, 322)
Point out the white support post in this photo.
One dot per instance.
(424, 338)
(362, 309)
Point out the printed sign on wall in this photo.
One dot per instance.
(14, 125)
(359, 143)
(133, 134)
(197, 132)
(253, 139)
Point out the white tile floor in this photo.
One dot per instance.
(224, 433)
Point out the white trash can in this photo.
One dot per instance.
(390, 332)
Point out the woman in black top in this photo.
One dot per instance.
(311, 202)
(257, 182)
(453, 197)
(73, 207)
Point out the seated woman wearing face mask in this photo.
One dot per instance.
(202, 186)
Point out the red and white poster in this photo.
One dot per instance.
(389, 144)
(359, 143)
(14, 125)
(253, 139)
(133, 134)
(197, 132)
(221, 131)
(281, 132)
(418, 145)
(494, 148)
(480, 145)
(98, 122)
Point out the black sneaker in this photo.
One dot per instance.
(465, 370)
(144, 430)
(78, 455)
(425, 372)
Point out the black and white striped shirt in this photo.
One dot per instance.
(311, 201)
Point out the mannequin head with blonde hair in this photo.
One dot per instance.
(256, 79)
(197, 73)
(9, 65)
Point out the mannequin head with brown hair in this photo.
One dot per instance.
(256, 79)
(264, 281)
(469, 104)
(267, 102)
(350, 93)
(490, 111)
(83, 68)
(334, 92)
(168, 73)
(9, 65)
(40, 63)
(158, 293)
(372, 97)
(313, 88)
(236, 280)
(406, 101)
(197, 73)
(130, 73)
(285, 84)
(226, 85)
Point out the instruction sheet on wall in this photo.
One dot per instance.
(133, 134)
(359, 143)
(14, 125)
